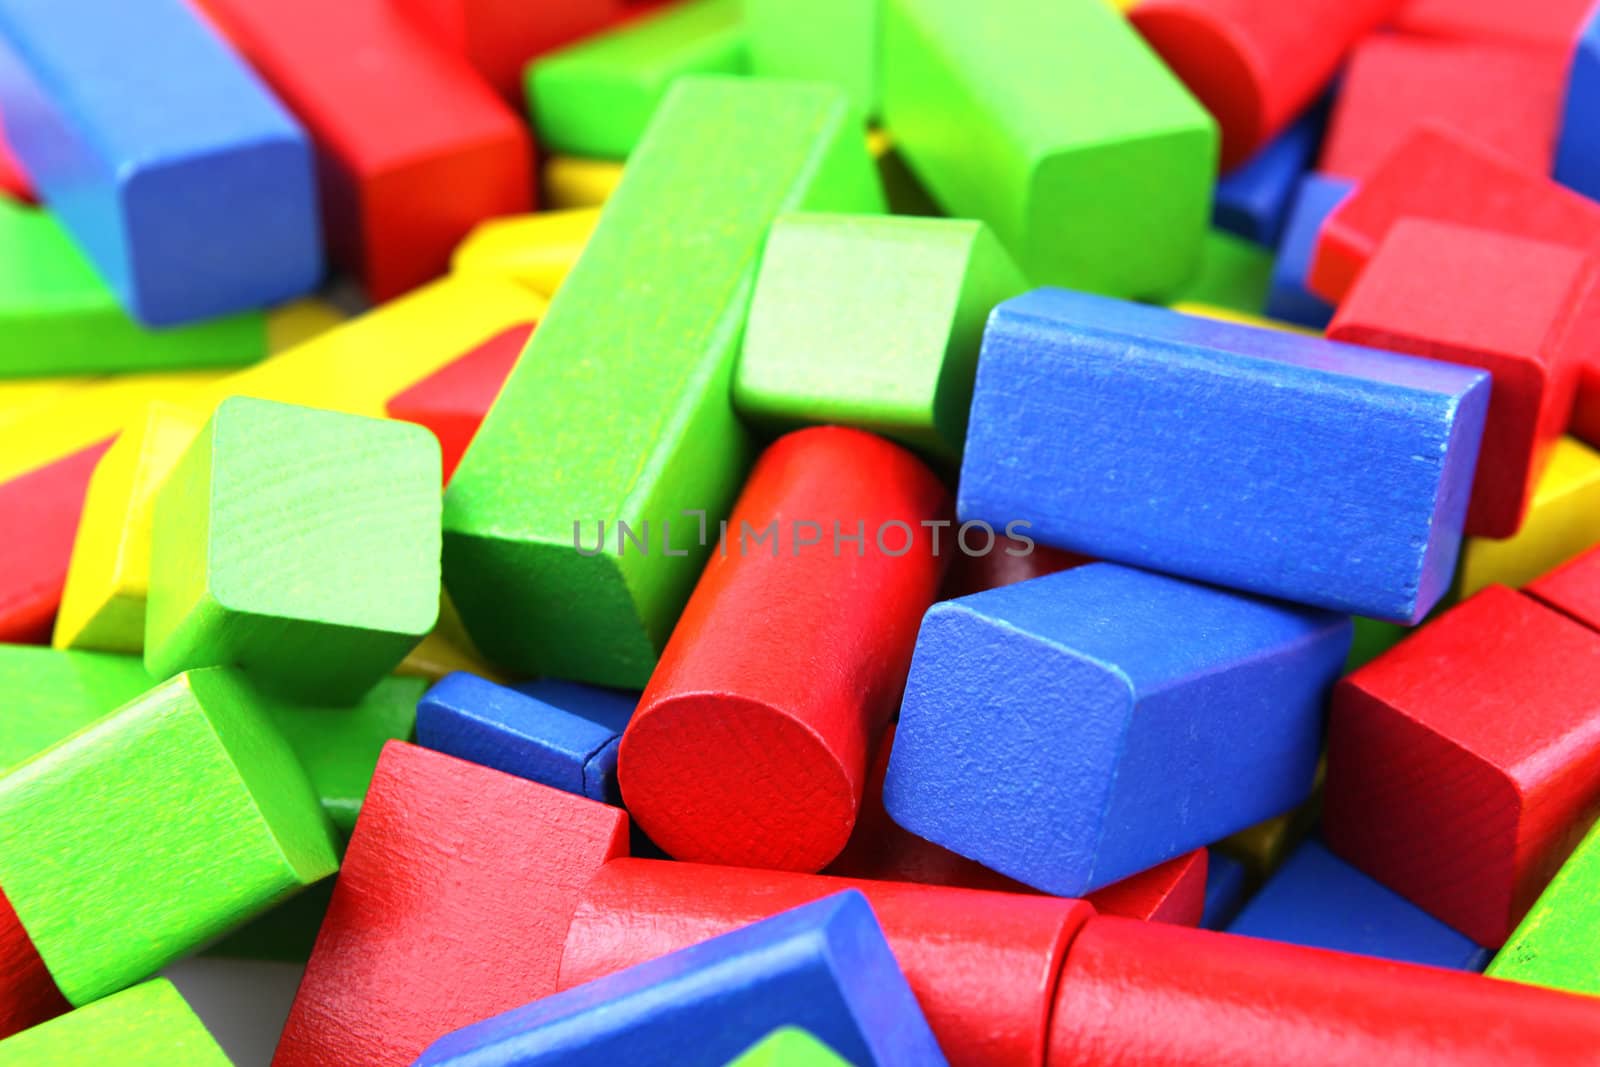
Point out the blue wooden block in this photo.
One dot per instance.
(1319, 900)
(556, 733)
(1227, 889)
(1578, 147)
(1289, 298)
(1253, 200)
(823, 967)
(188, 185)
(1074, 729)
(1275, 463)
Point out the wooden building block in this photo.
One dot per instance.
(21, 397)
(1112, 783)
(301, 545)
(1227, 889)
(187, 185)
(873, 322)
(1573, 589)
(148, 1025)
(14, 183)
(1577, 163)
(1184, 467)
(1557, 945)
(1253, 200)
(1233, 274)
(595, 98)
(391, 130)
(1549, 25)
(536, 250)
(1289, 296)
(1439, 794)
(39, 513)
(1241, 318)
(28, 995)
(823, 966)
(834, 41)
(52, 694)
(296, 323)
(650, 372)
(571, 182)
(1262, 848)
(1586, 408)
(1513, 307)
(1563, 521)
(789, 1047)
(163, 825)
(452, 402)
(448, 649)
(1255, 64)
(1054, 124)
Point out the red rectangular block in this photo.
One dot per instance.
(1573, 589)
(1545, 24)
(1586, 409)
(39, 514)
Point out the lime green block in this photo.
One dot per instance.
(1558, 942)
(57, 317)
(834, 41)
(51, 694)
(621, 408)
(299, 544)
(1055, 124)
(1373, 638)
(165, 824)
(1233, 274)
(149, 1025)
(595, 98)
(790, 1048)
(872, 321)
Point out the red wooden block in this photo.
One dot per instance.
(1001, 567)
(453, 400)
(1573, 589)
(1174, 892)
(28, 995)
(1437, 174)
(13, 182)
(1514, 307)
(39, 514)
(1545, 24)
(1586, 410)
(750, 744)
(1504, 97)
(414, 148)
(1255, 64)
(1464, 764)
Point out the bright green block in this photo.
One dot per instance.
(872, 321)
(621, 406)
(149, 1025)
(1233, 273)
(57, 317)
(1558, 942)
(299, 544)
(1055, 124)
(790, 1048)
(167, 823)
(50, 694)
(595, 98)
(834, 41)
(1373, 638)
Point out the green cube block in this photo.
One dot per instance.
(1233, 273)
(299, 544)
(149, 1025)
(51, 694)
(872, 321)
(790, 1048)
(165, 824)
(1055, 124)
(834, 41)
(595, 98)
(1557, 944)
(620, 409)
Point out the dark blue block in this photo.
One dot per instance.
(190, 188)
(1074, 729)
(1227, 888)
(1289, 298)
(1261, 460)
(1578, 148)
(557, 733)
(823, 967)
(1253, 200)
(1319, 900)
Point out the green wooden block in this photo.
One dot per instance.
(790, 1048)
(1233, 274)
(595, 98)
(165, 824)
(1373, 637)
(620, 409)
(872, 321)
(1558, 942)
(51, 694)
(285, 934)
(834, 41)
(57, 317)
(149, 1025)
(1055, 124)
(299, 544)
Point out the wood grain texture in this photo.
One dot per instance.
(1557, 944)
(148, 1025)
(1573, 589)
(536, 250)
(51, 694)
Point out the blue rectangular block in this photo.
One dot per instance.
(1071, 730)
(1290, 466)
(1253, 199)
(1227, 889)
(823, 967)
(1578, 145)
(1289, 298)
(187, 184)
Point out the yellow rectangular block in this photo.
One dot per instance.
(572, 181)
(18, 398)
(533, 250)
(1563, 521)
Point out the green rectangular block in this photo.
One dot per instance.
(595, 98)
(164, 825)
(834, 41)
(149, 1025)
(620, 407)
(1055, 124)
(872, 321)
(1233, 273)
(790, 1048)
(1557, 944)
(51, 694)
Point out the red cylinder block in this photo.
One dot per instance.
(750, 744)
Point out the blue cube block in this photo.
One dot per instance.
(1253, 199)
(1074, 729)
(187, 184)
(823, 967)
(1578, 145)
(1227, 889)
(1318, 900)
(1274, 463)
(1289, 297)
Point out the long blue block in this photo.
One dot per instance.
(188, 185)
(823, 967)
(1319, 900)
(1578, 147)
(1253, 200)
(1227, 889)
(1074, 729)
(1289, 298)
(556, 733)
(1269, 462)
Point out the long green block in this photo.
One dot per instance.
(1558, 942)
(299, 544)
(149, 1025)
(872, 321)
(790, 1048)
(833, 41)
(1054, 123)
(50, 694)
(165, 824)
(595, 98)
(57, 317)
(1233, 274)
(620, 407)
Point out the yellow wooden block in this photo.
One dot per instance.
(296, 323)
(1563, 521)
(448, 649)
(1209, 311)
(534, 250)
(571, 181)
(18, 398)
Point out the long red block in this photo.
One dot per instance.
(414, 148)
(1255, 64)
(39, 514)
(1573, 589)
(1551, 25)
(28, 995)
(750, 744)
(1464, 764)
(1437, 174)
(1516, 308)
(1586, 410)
